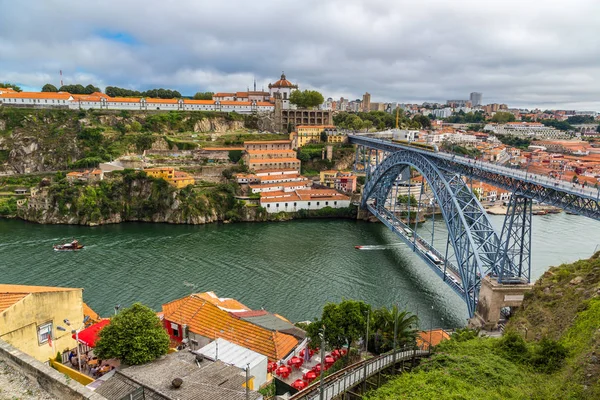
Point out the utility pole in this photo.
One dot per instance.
(248, 381)
(322, 336)
(430, 328)
(367, 340)
(395, 335)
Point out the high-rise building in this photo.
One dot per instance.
(366, 102)
(476, 98)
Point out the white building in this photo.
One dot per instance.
(527, 129)
(442, 112)
(307, 199)
(403, 134)
(238, 356)
(282, 89)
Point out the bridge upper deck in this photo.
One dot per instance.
(572, 197)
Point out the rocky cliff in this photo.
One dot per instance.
(132, 196)
(33, 140)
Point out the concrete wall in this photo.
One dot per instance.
(49, 379)
(19, 323)
(293, 206)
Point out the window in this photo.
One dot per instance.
(44, 332)
(277, 205)
(286, 204)
(268, 206)
(317, 203)
(335, 203)
(175, 329)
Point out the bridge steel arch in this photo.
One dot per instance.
(475, 243)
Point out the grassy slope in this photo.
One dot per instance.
(560, 308)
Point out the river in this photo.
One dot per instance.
(292, 268)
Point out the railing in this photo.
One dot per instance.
(345, 379)
(591, 193)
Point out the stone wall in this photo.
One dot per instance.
(48, 378)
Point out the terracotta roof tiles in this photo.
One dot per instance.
(205, 318)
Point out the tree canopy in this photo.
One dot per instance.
(377, 119)
(423, 120)
(560, 125)
(134, 336)
(344, 324)
(48, 87)
(384, 321)
(580, 119)
(10, 85)
(79, 89)
(306, 98)
(503, 117)
(203, 96)
(466, 118)
(114, 91)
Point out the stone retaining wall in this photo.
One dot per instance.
(55, 383)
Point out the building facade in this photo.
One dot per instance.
(176, 178)
(30, 315)
(476, 99)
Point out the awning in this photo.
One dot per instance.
(89, 335)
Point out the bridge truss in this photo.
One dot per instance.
(473, 248)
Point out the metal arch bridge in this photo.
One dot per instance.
(477, 249)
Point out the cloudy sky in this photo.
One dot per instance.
(542, 53)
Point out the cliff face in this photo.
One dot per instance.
(134, 197)
(33, 140)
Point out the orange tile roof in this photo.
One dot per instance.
(241, 94)
(283, 141)
(186, 101)
(224, 95)
(437, 336)
(303, 182)
(271, 151)
(291, 197)
(272, 160)
(88, 312)
(38, 95)
(205, 318)
(11, 294)
(123, 99)
(315, 126)
(162, 101)
(264, 104)
(226, 303)
(235, 103)
(221, 148)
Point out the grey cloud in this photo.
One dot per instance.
(524, 53)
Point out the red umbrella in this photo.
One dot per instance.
(299, 384)
(343, 352)
(336, 354)
(89, 335)
(311, 352)
(317, 368)
(329, 360)
(309, 376)
(271, 366)
(295, 361)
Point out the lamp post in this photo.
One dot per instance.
(76, 333)
(367, 339)
(322, 336)
(430, 328)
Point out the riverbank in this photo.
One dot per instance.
(538, 209)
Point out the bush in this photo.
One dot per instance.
(548, 356)
(512, 346)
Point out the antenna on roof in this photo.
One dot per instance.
(61, 81)
(255, 84)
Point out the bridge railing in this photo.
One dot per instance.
(345, 379)
(591, 193)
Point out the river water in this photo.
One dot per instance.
(292, 268)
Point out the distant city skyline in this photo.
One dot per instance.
(544, 55)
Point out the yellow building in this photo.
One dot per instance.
(178, 179)
(328, 178)
(311, 133)
(29, 316)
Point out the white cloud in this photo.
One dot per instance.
(524, 53)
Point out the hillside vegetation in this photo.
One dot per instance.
(550, 350)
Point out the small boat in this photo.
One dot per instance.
(358, 247)
(74, 245)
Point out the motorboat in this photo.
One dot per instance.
(74, 245)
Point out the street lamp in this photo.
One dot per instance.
(322, 336)
(117, 308)
(76, 333)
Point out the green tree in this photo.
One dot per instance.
(502, 117)
(10, 85)
(344, 323)
(323, 137)
(598, 128)
(134, 336)
(306, 98)
(48, 87)
(235, 155)
(405, 199)
(203, 96)
(79, 89)
(383, 324)
(423, 120)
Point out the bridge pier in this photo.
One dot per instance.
(494, 296)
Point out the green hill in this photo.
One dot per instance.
(550, 350)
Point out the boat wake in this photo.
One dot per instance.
(379, 247)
